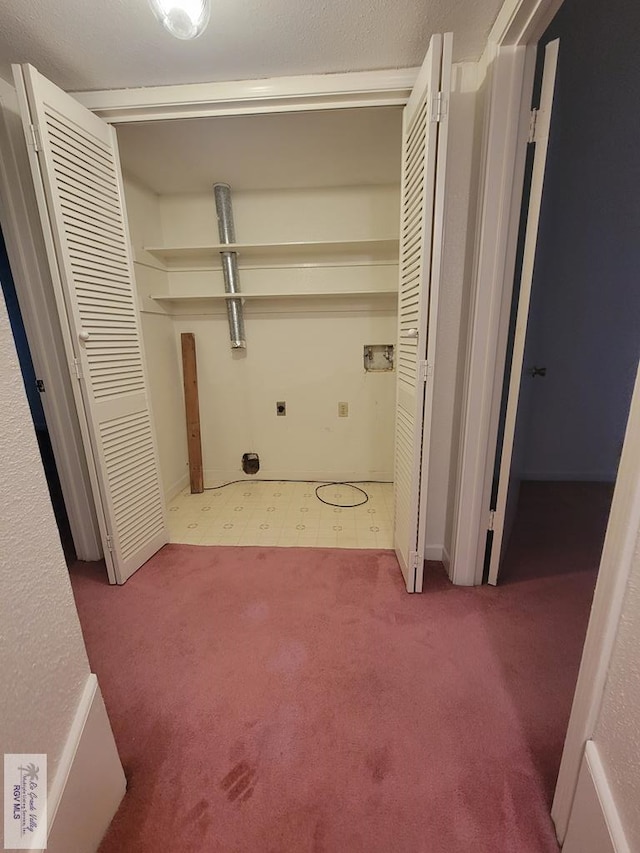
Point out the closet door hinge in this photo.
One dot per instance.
(40, 385)
(36, 142)
(533, 121)
(492, 518)
(76, 368)
(425, 371)
(413, 560)
(438, 107)
(109, 542)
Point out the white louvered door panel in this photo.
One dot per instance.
(81, 204)
(421, 227)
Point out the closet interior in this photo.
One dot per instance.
(315, 199)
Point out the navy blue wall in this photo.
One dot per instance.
(585, 313)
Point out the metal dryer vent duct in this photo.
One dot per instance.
(227, 232)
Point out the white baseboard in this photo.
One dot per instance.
(434, 552)
(214, 476)
(176, 487)
(446, 561)
(594, 823)
(89, 783)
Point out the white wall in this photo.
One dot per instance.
(310, 361)
(308, 353)
(43, 663)
(50, 702)
(165, 379)
(287, 215)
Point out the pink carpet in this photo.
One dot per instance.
(298, 700)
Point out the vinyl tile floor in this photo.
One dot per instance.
(284, 514)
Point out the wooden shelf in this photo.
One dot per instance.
(274, 254)
(340, 294)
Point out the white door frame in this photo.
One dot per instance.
(252, 97)
(509, 63)
(506, 498)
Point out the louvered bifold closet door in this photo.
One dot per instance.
(422, 199)
(82, 206)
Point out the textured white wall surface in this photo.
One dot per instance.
(43, 663)
(617, 734)
(82, 45)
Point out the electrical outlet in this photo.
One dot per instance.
(281, 409)
(343, 410)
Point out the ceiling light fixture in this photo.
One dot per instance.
(184, 19)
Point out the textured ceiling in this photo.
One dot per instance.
(102, 44)
(288, 150)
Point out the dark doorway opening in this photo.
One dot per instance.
(34, 389)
